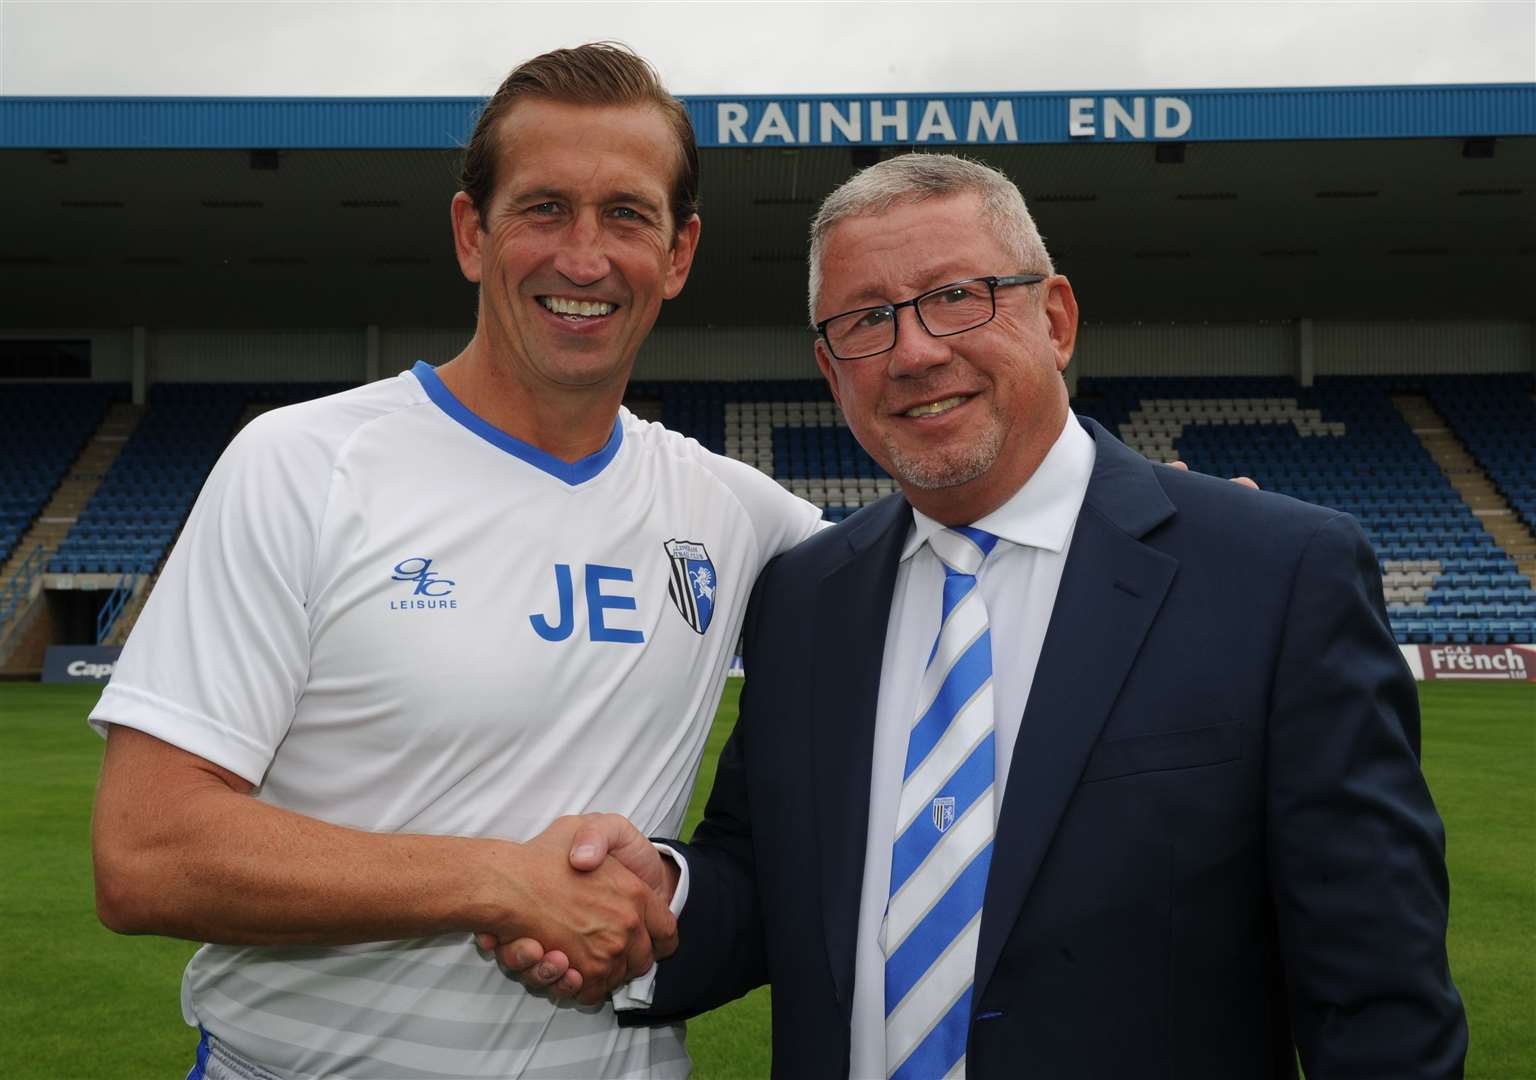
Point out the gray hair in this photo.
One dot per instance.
(915, 177)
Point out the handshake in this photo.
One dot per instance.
(591, 909)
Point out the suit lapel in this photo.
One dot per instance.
(853, 607)
(1110, 591)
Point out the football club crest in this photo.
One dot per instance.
(943, 812)
(692, 584)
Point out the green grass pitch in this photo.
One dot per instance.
(78, 1001)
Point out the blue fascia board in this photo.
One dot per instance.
(193, 123)
(445, 123)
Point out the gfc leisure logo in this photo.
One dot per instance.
(432, 589)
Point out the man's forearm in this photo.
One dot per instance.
(182, 849)
(214, 865)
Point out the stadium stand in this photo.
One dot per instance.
(42, 429)
(128, 526)
(790, 430)
(129, 523)
(1341, 443)
(1495, 418)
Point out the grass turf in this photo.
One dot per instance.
(82, 1002)
(1480, 759)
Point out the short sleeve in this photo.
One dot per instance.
(218, 658)
(780, 519)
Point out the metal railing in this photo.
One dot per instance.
(117, 600)
(19, 589)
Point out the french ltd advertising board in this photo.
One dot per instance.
(1483, 663)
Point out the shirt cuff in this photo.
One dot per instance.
(637, 993)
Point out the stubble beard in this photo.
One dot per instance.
(949, 467)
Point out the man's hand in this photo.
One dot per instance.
(591, 842)
(609, 923)
(1244, 480)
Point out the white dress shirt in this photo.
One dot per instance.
(1035, 529)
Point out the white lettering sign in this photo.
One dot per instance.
(1127, 117)
(850, 125)
(1171, 117)
(731, 122)
(936, 122)
(999, 120)
(894, 121)
(79, 669)
(1464, 658)
(1134, 122)
(791, 122)
(773, 124)
(1080, 116)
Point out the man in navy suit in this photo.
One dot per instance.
(1177, 826)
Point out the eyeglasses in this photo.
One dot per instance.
(949, 309)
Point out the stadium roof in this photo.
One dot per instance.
(1344, 203)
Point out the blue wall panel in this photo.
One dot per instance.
(877, 120)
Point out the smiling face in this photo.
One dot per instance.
(961, 421)
(577, 249)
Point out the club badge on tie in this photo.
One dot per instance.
(944, 813)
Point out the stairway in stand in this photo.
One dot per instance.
(130, 614)
(1470, 481)
(54, 523)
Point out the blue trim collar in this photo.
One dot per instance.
(571, 472)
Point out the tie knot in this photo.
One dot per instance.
(962, 548)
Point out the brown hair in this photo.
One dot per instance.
(599, 73)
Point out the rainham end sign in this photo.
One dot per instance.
(942, 120)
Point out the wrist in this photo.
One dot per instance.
(485, 888)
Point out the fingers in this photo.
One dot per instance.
(639, 856)
(519, 956)
(1244, 481)
(637, 959)
(590, 844)
(555, 974)
(527, 962)
(602, 836)
(595, 986)
(609, 835)
(633, 850)
(569, 984)
(661, 926)
(639, 910)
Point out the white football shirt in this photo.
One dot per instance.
(383, 610)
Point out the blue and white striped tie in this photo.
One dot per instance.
(943, 831)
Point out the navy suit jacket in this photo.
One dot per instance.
(1215, 850)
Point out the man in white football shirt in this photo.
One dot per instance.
(410, 626)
